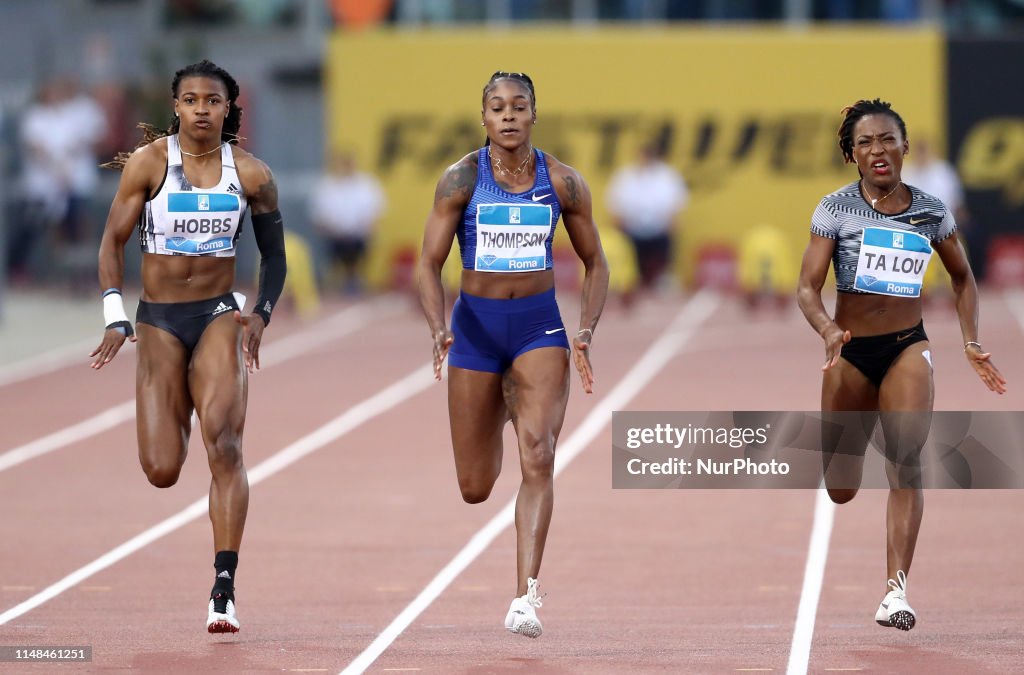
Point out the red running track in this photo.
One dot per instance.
(341, 541)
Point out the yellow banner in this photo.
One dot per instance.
(750, 114)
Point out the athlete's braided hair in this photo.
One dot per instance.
(518, 77)
(522, 78)
(232, 123)
(853, 113)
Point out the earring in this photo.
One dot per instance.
(481, 123)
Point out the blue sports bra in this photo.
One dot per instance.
(505, 231)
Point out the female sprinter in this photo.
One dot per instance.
(188, 189)
(877, 356)
(509, 350)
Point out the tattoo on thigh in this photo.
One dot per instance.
(509, 390)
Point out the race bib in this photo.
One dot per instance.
(512, 237)
(892, 262)
(200, 223)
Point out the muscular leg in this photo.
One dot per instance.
(219, 386)
(536, 391)
(477, 415)
(163, 404)
(844, 388)
(907, 386)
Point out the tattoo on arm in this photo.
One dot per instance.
(457, 181)
(574, 191)
(266, 196)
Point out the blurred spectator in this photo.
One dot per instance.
(345, 207)
(645, 199)
(929, 172)
(100, 77)
(59, 134)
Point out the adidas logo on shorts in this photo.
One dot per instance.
(221, 308)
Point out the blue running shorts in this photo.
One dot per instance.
(491, 333)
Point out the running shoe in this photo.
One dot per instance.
(522, 614)
(221, 618)
(895, 612)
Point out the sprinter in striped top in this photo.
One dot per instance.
(879, 234)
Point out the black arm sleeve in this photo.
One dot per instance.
(269, 231)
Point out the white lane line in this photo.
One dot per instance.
(814, 575)
(47, 362)
(379, 403)
(650, 364)
(95, 424)
(344, 322)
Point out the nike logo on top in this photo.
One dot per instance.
(918, 221)
(537, 198)
(221, 308)
(552, 332)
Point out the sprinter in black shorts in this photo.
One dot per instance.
(187, 189)
(880, 233)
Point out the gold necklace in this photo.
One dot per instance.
(201, 154)
(881, 199)
(500, 168)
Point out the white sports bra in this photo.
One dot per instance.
(185, 220)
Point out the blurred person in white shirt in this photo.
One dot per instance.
(59, 134)
(929, 172)
(645, 199)
(345, 207)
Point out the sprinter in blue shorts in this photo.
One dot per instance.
(509, 352)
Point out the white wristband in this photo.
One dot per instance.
(113, 309)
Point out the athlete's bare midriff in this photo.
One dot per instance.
(506, 286)
(176, 278)
(866, 314)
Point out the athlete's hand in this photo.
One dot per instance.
(982, 363)
(113, 338)
(835, 337)
(252, 335)
(581, 357)
(443, 340)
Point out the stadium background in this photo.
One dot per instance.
(657, 581)
(748, 107)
